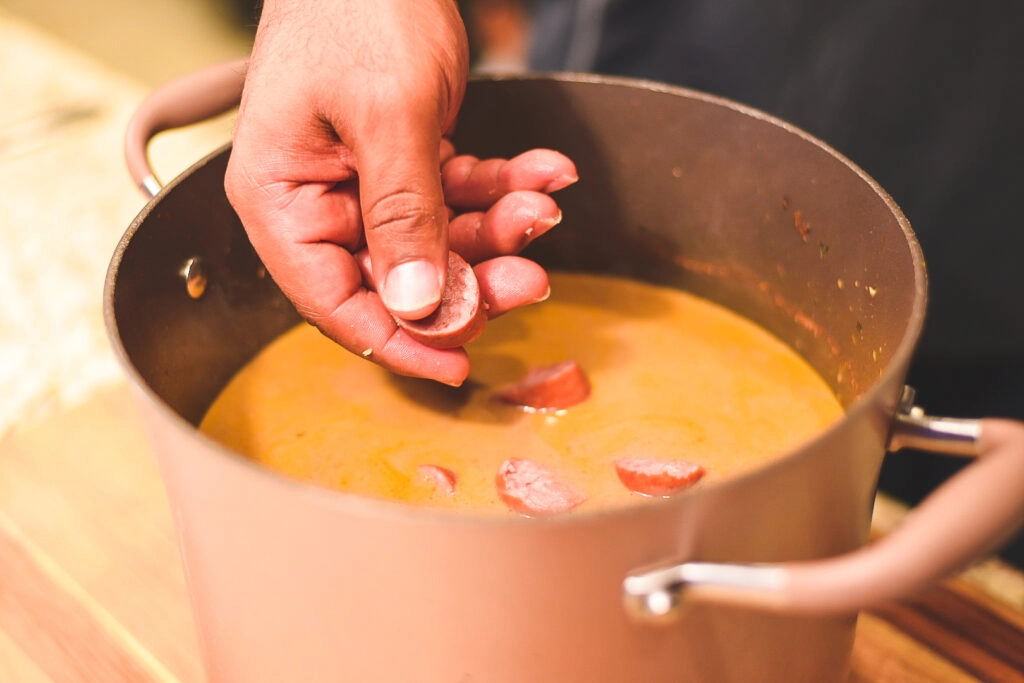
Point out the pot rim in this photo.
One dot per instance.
(369, 506)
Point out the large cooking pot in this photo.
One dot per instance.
(756, 579)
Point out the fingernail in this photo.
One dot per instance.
(539, 227)
(412, 289)
(561, 182)
(549, 223)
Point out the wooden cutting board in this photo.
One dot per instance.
(91, 588)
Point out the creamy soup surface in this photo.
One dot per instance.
(673, 377)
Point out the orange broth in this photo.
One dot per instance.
(672, 376)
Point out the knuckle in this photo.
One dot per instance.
(403, 212)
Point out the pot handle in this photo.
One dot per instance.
(968, 516)
(190, 99)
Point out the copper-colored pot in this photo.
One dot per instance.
(291, 582)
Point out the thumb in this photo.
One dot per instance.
(404, 216)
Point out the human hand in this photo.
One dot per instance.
(338, 147)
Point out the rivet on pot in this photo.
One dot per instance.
(653, 598)
(195, 277)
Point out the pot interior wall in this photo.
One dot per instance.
(675, 188)
(186, 349)
(683, 189)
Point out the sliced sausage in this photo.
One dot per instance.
(548, 388)
(441, 478)
(459, 318)
(653, 477)
(533, 490)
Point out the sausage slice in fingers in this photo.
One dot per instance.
(459, 318)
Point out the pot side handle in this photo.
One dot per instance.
(968, 516)
(185, 101)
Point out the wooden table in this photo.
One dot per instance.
(91, 588)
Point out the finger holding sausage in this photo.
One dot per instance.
(505, 282)
(508, 282)
(337, 296)
(507, 227)
(378, 338)
(473, 184)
